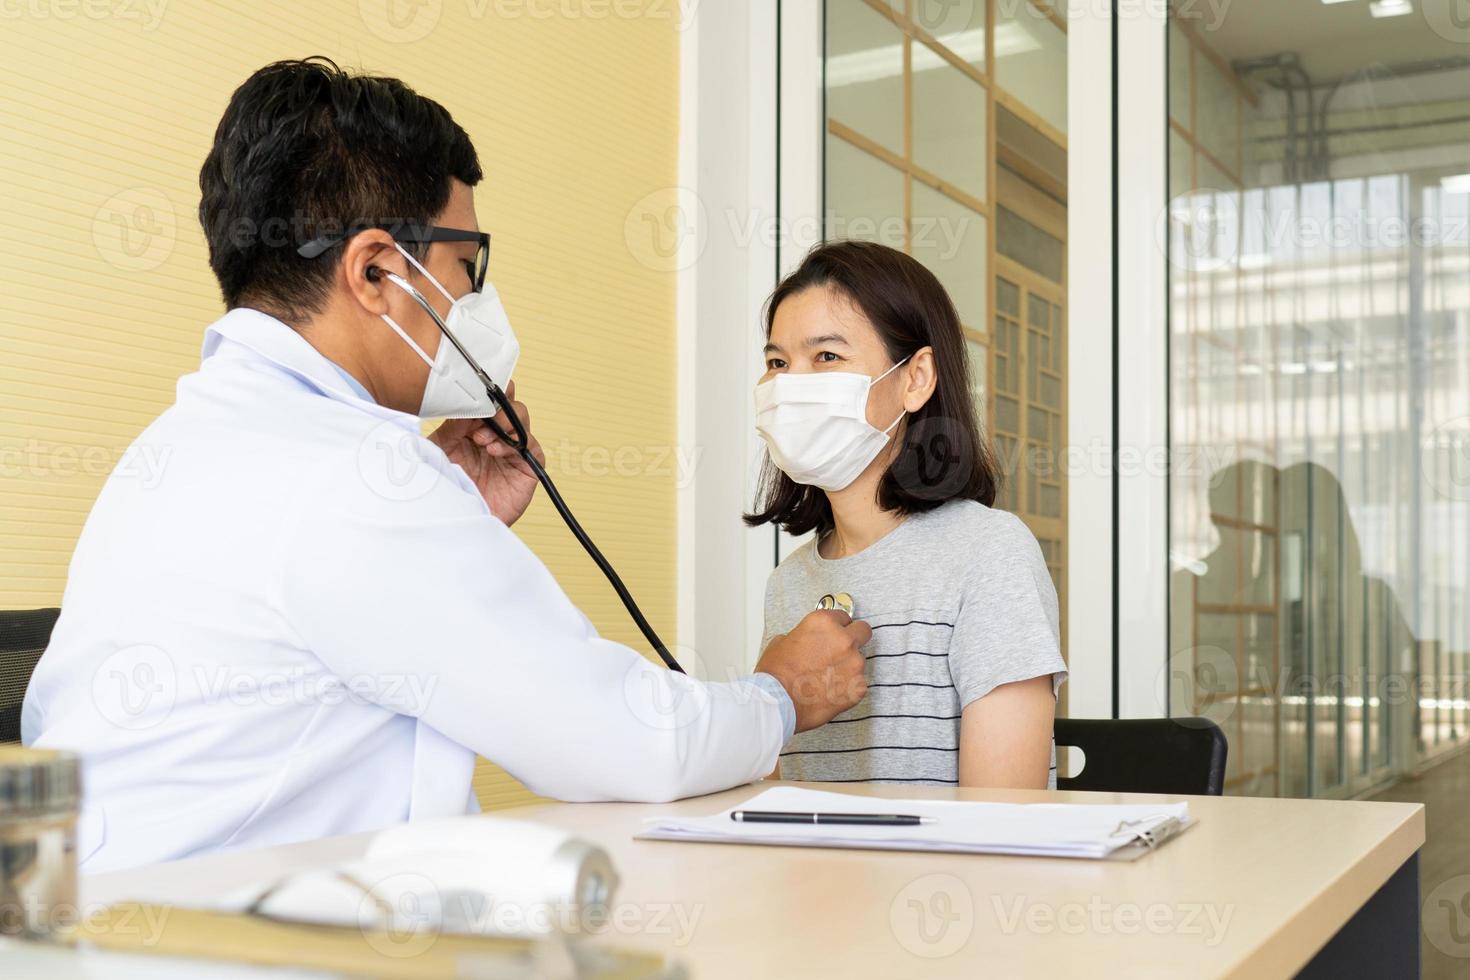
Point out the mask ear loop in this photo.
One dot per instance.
(522, 439)
(891, 370)
(879, 378)
(425, 272)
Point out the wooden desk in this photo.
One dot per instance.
(1257, 890)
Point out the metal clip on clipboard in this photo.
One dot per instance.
(1151, 838)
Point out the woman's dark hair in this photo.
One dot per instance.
(942, 456)
(306, 149)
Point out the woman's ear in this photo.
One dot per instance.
(921, 380)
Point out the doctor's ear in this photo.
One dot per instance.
(920, 379)
(366, 261)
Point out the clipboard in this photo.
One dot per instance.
(1152, 839)
(1043, 830)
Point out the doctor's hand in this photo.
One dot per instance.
(820, 663)
(497, 470)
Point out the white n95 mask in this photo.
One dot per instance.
(477, 322)
(816, 425)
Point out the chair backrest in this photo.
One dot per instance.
(1181, 756)
(24, 634)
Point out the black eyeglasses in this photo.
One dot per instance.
(414, 235)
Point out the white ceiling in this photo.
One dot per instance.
(1333, 40)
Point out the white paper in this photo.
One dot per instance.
(1044, 829)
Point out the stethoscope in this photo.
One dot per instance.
(521, 444)
(841, 601)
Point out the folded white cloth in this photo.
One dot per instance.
(476, 874)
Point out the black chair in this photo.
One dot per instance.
(24, 634)
(1178, 756)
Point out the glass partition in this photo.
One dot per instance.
(1319, 324)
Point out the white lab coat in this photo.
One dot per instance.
(289, 615)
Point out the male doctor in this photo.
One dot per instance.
(317, 618)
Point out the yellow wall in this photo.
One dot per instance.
(105, 290)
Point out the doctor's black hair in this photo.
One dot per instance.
(306, 149)
(942, 455)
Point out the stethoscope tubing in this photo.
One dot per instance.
(521, 444)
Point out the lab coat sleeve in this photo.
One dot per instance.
(431, 607)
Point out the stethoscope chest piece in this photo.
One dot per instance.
(840, 600)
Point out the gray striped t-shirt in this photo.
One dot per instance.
(960, 602)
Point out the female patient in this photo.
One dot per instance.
(866, 410)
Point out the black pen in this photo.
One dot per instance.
(866, 819)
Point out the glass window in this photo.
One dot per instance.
(1031, 61)
(864, 195)
(1181, 155)
(979, 370)
(1016, 238)
(958, 27)
(1179, 54)
(1007, 297)
(1317, 366)
(1217, 109)
(865, 73)
(949, 127)
(950, 239)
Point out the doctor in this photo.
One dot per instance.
(316, 618)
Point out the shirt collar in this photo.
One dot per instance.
(281, 345)
(352, 382)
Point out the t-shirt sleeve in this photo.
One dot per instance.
(1006, 629)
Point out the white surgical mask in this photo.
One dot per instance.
(477, 321)
(816, 425)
